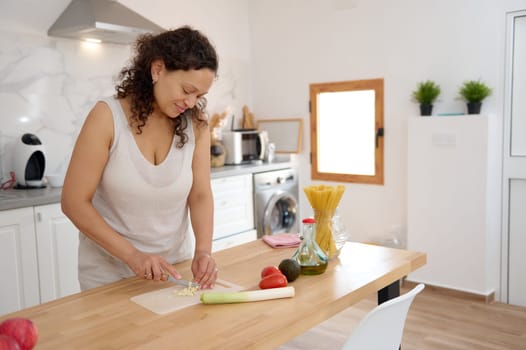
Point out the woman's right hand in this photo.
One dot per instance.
(151, 266)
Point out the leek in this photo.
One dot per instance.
(246, 296)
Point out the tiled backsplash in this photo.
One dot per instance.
(48, 85)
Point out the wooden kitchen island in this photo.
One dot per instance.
(105, 318)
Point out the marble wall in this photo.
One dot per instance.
(48, 85)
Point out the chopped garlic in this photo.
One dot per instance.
(188, 291)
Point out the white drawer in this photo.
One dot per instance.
(234, 240)
(233, 205)
(225, 186)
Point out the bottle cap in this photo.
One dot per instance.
(309, 221)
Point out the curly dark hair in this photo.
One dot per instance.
(180, 49)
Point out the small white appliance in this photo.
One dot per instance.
(29, 161)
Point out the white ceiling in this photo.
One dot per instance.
(30, 15)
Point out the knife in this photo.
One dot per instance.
(183, 282)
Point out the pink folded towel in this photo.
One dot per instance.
(282, 240)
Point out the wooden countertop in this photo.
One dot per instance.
(105, 318)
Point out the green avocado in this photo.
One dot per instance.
(290, 268)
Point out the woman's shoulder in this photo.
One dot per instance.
(100, 120)
(100, 113)
(109, 108)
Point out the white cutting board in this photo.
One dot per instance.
(166, 300)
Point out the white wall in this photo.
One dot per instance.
(298, 42)
(47, 87)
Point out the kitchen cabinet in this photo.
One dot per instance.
(38, 251)
(233, 211)
(57, 250)
(449, 186)
(18, 260)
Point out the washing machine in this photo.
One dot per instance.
(276, 206)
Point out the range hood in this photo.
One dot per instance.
(104, 20)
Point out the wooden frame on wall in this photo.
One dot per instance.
(285, 133)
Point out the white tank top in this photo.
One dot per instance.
(145, 203)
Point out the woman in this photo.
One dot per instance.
(142, 162)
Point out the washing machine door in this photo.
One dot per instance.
(280, 214)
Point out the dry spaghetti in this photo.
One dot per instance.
(324, 200)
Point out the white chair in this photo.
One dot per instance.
(382, 327)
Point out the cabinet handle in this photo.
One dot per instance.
(39, 217)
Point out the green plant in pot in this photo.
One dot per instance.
(426, 93)
(474, 92)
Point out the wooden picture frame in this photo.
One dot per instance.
(285, 133)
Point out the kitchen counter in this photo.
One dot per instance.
(106, 318)
(12, 199)
(232, 170)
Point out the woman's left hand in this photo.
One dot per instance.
(205, 270)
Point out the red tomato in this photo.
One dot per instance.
(270, 270)
(276, 280)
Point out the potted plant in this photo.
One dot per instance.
(426, 93)
(473, 92)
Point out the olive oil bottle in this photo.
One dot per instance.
(312, 259)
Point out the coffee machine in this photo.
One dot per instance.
(29, 162)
